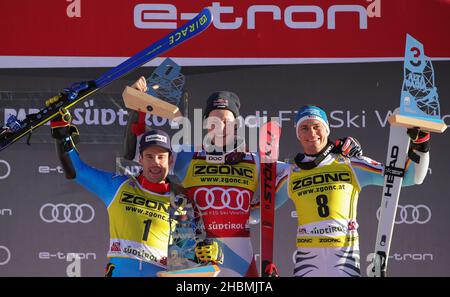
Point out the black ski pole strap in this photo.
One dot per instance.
(63, 146)
(413, 156)
(381, 264)
(394, 171)
(329, 148)
(29, 137)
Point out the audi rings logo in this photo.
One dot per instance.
(220, 198)
(4, 173)
(67, 213)
(5, 255)
(411, 214)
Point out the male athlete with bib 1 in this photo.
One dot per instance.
(324, 186)
(138, 208)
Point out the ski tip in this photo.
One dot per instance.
(207, 11)
(270, 131)
(206, 16)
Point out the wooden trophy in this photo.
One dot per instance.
(165, 88)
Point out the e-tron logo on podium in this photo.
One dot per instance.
(5, 169)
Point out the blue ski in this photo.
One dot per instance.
(14, 129)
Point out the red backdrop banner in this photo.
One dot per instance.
(243, 30)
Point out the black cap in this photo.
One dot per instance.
(223, 100)
(155, 137)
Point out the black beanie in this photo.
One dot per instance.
(223, 100)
